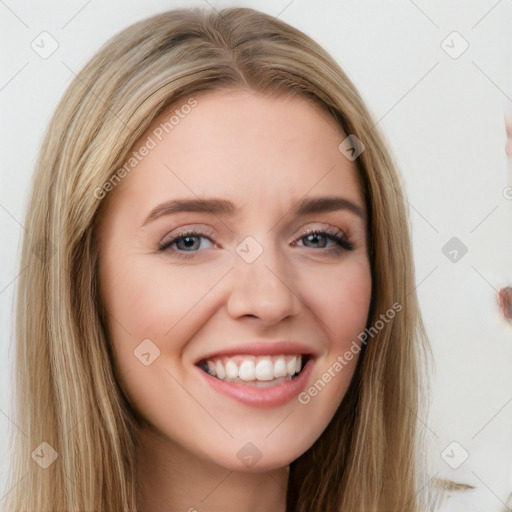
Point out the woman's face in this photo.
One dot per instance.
(235, 244)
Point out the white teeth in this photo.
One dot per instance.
(219, 370)
(211, 367)
(265, 369)
(247, 370)
(231, 370)
(254, 368)
(280, 368)
(290, 365)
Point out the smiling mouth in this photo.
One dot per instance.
(260, 371)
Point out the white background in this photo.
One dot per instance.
(443, 118)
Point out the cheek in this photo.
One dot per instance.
(149, 298)
(152, 301)
(153, 311)
(341, 300)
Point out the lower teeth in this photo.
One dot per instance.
(263, 383)
(258, 383)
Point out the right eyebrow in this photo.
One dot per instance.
(328, 204)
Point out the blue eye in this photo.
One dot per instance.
(320, 240)
(186, 242)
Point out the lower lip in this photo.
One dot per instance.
(262, 397)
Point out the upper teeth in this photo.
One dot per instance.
(250, 368)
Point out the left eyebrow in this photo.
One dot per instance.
(327, 204)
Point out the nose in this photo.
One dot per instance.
(263, 289)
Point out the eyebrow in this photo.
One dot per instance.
(224, 207)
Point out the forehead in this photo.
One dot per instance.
(243, 146)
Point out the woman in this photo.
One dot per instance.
(219, 310)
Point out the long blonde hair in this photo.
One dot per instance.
(67, 393)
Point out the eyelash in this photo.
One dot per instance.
(331, 233)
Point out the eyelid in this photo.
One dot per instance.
(204, 229)
(320, 226)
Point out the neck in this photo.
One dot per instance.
(175, 480)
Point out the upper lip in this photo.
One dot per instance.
(262, 348)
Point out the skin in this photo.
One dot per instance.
(263, 154)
